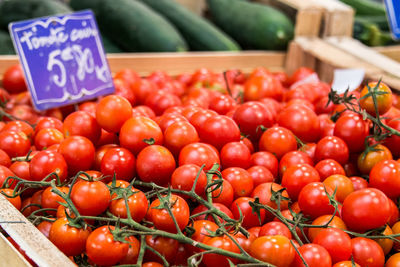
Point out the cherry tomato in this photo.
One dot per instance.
(302, 121)
(250, 218)
(68, 239)
(208, 217)
(341, 184)
(102, 249)
(393, 141)
(353, 130)
(47, 162)
(275, 250)
(235, 154)
(8, 194)
(358, 183)
(202, 229)
(184, 177)
(112, 111)
(91, 198)
(48, 137)
(78, 152)
(366, 161)
(44, 227)
(336, 242)
(260, 175)
(385, 175)
(118, 162)
(179, 134)
(328, 167)
(298, 176)
(278, 140)
(313, 255)
(240, 180)
(275, 228)
(336, 222)
(162, 220)
(199, 154)
(155, 164)
(258, 87)
(292, 158)
(266, 159)
(15, 144)
(384, 98)
(221, 242)
(332, 147)
(136, 130)
(393, 261)
(160, 100)
(366, 209)
(367, 252)
(5, 160)
(223, 194)
(83, 124)
(14, 80)
(386, 243)
(133, 251)
(313, 200)
(51, 200)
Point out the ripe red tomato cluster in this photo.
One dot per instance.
(171, 130)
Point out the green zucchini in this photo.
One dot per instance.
(136, 28)
(252, 25)
(6, 45)
(15, 10)
(366, 7)
(200, 34)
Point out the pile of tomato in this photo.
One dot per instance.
(298, 176)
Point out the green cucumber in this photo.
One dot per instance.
(252, 25)
(136, 28)
(15, 10)
(94, 5)
(366, 7)
(200, 34)
(380, 21)
(110, 46)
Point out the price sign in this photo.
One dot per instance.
(63, 59)
(393, 14)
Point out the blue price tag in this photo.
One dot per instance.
(63, 59)
(393, 14)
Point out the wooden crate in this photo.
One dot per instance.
(37, 246)
(325, 55)
(392, 51)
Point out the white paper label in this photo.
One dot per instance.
(344, 79)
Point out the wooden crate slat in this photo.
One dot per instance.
(392, 51)
(29, 238)
(10, 256)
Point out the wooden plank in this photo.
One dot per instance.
(176, 63)
(10, 256)
(36, 246)
(330, 56)
(392, 51)
(338, 18)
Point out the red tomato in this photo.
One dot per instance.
(219, 130)
(122, 89)
(302, 121)
(161, 100)
(137, 203)
(332, 147)
(314, 255)
(78, 152)
(48, 137)
(223, 194)
(367, 252)
(275, 250)
(51, 200)
(250, 218)
(385, 176)
(292, 158)
(300, 74)
(202, 229)
(336, 242)
(5, 160)
(235, 154)
(112, 111)
(137, 129)
(275, 228)
(199, 154)
(353, 130)
(336, 222)
(278, 140)
(133, 251)
(221, 242)
(14, 80)
(162, 220)
(358, 183)
(240, 180)
(313, 200)
(328, 167)
(394, 217)
(393, 261)
(47, 162)
(266, 159)
(208, 217)
(250, 116)
(366, 209)
(118, 162)
(298, 176)
(155, 164)
(393, 141)
(167, 247)
(68, 239)
(179, 134)
(44, 227)
(15, 144)
(262, 86)
(183, 178)
(367, 161)
(222, 104)
(83, 124)
(260, 175)
(264, 193)
(91, 198)
(102, 249)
